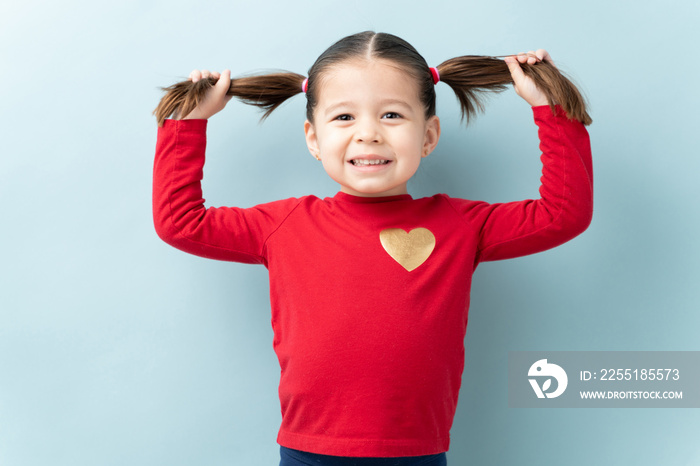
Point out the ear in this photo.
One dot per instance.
(432, 135)
(312, 140)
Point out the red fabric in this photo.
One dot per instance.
(371, 354)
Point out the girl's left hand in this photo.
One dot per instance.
(524, 85)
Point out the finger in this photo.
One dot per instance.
(528, 57)
(544, 56)
(205, 74)
(195, 76)
(215, 74)
(226, 77)
(514, 67)
(223, 84)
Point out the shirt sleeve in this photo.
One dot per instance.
(179, 215)
(565, 207)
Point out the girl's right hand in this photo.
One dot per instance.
(215, 98)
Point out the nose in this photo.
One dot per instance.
(367, 131)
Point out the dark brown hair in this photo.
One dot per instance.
(469, 76)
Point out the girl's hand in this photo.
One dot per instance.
(215, 99)
(525, 86)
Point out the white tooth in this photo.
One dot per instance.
(369, 162)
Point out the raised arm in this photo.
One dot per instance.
(565, 207)
(179, 215)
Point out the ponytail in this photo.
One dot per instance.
(266, 91)
(471, 76)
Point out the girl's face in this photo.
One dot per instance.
(370, 130)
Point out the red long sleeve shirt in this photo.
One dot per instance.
(370, 296)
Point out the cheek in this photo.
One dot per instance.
(415, 164)
(412, 145)
(331, 141)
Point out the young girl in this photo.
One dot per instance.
(370, 288)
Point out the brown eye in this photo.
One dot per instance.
(391, 115)
(344, 117)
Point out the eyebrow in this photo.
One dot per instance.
(400, 102)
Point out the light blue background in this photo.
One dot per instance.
(118, 349)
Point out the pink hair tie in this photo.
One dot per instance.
(436, 75)
(305, 85)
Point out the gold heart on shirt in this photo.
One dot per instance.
(410, 249)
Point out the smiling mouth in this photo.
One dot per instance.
(366, 163)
